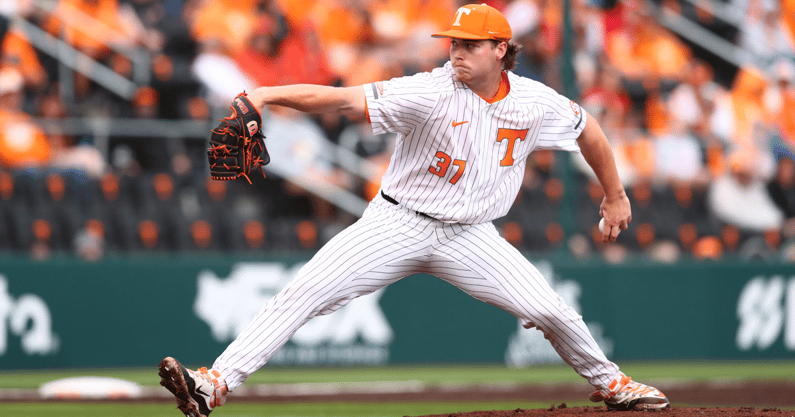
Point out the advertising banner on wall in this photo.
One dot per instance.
(133, 312)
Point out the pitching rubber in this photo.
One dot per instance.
(172, 378)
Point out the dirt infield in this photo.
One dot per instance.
(759, 394)
(763, 396)
(706, 399)
(563, 411)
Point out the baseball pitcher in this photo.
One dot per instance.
(464, 132)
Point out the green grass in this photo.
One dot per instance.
(432, 374)
(325, 409)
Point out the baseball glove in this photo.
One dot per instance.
(237, 145)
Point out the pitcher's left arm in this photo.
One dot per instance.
(597, 152)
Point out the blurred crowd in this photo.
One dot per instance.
(705, 145)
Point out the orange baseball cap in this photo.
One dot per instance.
(478, 21)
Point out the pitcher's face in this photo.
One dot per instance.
(474, 59)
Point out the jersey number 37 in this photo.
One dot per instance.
(443, 160)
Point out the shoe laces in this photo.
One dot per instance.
(621, 388)
(219, 395)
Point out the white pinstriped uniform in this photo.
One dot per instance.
(422, 109)
(462, 175)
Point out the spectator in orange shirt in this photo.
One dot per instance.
(343, 27)
(404, 27)
(747, 99)
(788, 17)
(395, 20)
(341, 22)
(17, 53)
(22, 143)
(280, 54)
(649, 56)
(784, 95)
(234, 22)
(91, 26)
(297, 11)
(94, 28)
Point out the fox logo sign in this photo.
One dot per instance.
(357, 333)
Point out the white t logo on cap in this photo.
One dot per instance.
(461, 10)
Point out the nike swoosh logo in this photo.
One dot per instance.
(198, 391)
(459, 123)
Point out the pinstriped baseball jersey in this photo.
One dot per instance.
(459, 158)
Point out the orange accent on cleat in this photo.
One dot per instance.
(622, 393)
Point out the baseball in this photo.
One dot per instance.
(602, 226)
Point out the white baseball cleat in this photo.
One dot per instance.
(624, 394)
(197, 392)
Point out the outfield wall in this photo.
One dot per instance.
(122, 312)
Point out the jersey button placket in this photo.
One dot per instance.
(480, 153)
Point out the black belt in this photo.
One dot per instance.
(395, 202)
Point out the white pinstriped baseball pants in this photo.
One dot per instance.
(391, 242)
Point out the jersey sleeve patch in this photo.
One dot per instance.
(563, 122)
(378, 89)
(577, 111)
